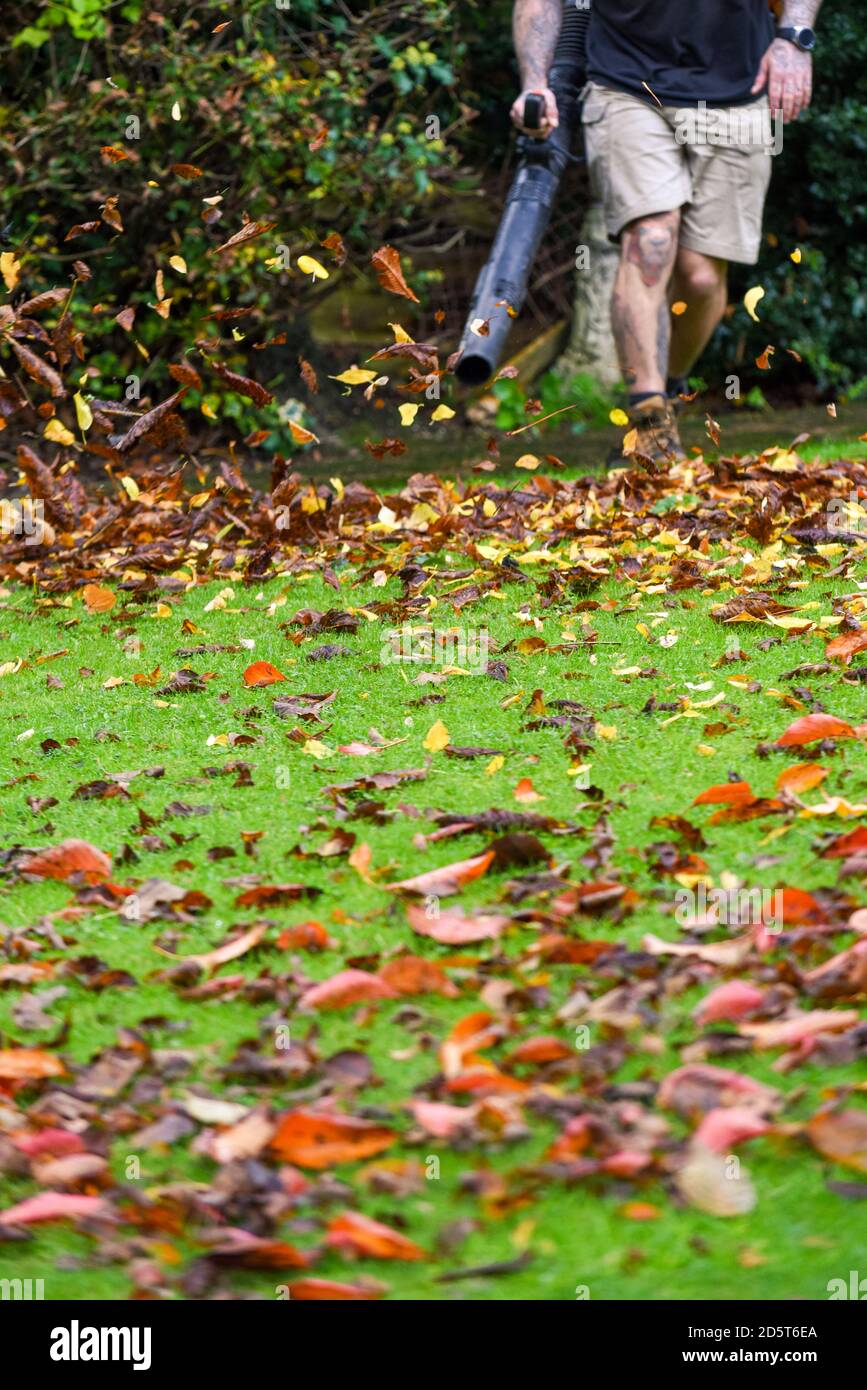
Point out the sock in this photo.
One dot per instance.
(677, 386)
(637, 397)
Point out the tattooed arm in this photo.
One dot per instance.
(785, 70)
(535, 28)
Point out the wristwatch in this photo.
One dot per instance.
(804, 39)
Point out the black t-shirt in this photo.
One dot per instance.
(686, 51)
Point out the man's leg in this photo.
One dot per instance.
(699, 281)
(640, 314)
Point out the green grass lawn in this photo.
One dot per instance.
(642, 764)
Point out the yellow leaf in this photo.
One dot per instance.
(315, 749)
(221, 739)
(10, 268)
(163, 610)
(355, 376)
(630, 439)
(83, 412)
(494, 765)
(795, 255)
(443, 412)
(112, 682)
(408, 412)
(608, 731)
(308, 266)
(528, 461)
(751, 299)
(130, 487)
(179, 264)
(618, 417)
(208, 411)
(400, 334)
(437, 737)
(57, 432)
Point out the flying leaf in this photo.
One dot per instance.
(386, 263)
(751, 299)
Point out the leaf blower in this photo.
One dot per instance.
(502, 283)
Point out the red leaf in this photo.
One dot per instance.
(346, 987)
(51, 1206)
(453, 928)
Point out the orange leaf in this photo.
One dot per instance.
(802, 777)
(262, 673)
(314, 1140)
(68, 858)
(448, 879)
(28, 1064)
(726, 794)
(415, 975)
(541, 1049)
(98, 599)
(321, 1290)
(525, 791)
(846, 645)
(359, 1235)
(812, 727)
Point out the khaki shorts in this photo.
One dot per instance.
(714, 163)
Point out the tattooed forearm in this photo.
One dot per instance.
(535, 27)
(800, 14)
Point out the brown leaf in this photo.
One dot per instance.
(147, 422)
(840, 1135)
(243, 385)
(37, 369)
(245, 233)
(386, 263)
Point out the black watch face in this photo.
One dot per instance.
(807, 39)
